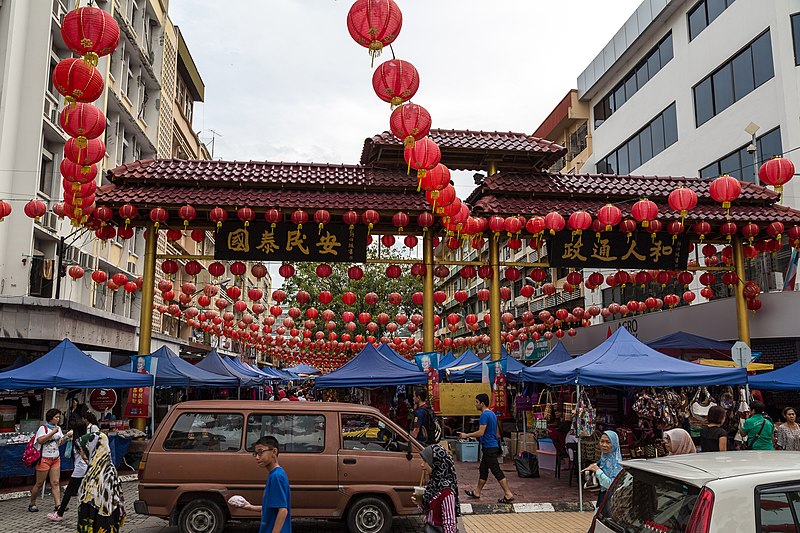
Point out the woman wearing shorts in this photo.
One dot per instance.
(49, 437)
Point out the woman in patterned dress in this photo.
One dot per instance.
(101, 509)
(787, 435)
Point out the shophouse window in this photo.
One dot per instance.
(738, 77)
(653, 61)
(651, 140)
(704, 13)
(796, 37)
(46, 175)
(739, 163)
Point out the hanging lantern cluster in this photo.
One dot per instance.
(92, 33)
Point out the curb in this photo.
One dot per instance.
(26, 493)
(501, 508)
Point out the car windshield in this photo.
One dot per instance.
(643, 501)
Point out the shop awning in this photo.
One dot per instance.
(786, 378)
(172, 371)
(623, 360)
(371, 368)
(67, 367)
(558, 354)
(213, 362)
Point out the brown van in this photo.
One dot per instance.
(344, 461)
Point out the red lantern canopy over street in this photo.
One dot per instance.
(776, 172)
(725, 189)
(395, 81)
(410, 123)
(374, 24)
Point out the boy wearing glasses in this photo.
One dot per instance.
(276, 516)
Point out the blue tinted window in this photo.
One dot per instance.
(739, 163)
(762, 59)
(670, 126)
(648, 142)
(722, 81)
(743, 83)
(703, 102)
(796, 37)
(657, 131)
(704, 13)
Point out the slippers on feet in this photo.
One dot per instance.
(505, 500)
(33, 509)
(472, 495)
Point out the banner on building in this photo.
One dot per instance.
(616, 250)
(428, 362)
(260, 241)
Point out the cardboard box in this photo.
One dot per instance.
(518, 443)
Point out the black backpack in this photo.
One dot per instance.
(432, 430)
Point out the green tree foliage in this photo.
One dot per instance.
(338, 283)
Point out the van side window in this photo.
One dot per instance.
(206, 432)
(778, 510)
(295, 433)
(365, 432)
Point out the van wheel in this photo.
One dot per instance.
(369, 515)
(201, 516)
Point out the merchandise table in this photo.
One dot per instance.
(11, 457)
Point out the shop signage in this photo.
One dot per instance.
(261, 241)
(102, 399)
(615, 250)
(535, 350)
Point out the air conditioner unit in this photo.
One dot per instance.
(48, 221)
(775, 281)
(51, 112)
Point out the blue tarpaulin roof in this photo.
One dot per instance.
(213, 362)
(623, 360)
(680, 340)
(466, 358)
(786, 378)
(247, 370)
(371, 368)
(67, 367)
(558, 354)
(446, 359)
(172, 371)
(395, 357)
(475, 373)
(302, 369)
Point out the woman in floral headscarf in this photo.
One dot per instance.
(101, 509)
(440, 500)
(607, 467)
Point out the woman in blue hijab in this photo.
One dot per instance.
(607, 467)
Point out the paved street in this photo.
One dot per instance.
(16, 519)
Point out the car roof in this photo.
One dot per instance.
(248, 405)
(701, 468)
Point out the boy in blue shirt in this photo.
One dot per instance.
(489, 436)
(276, 515)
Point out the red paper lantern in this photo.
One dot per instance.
(579, 221)
(422, 156)
(776, 172)
(536, 225)
(349, 298)
(728, 278)
(273, 216)
(512, 274)
(218, 216)
(370, 218)
(83, 122)
(76, 174)
(775, 229)
(434, 181)
(119, 279)
(702, 229)
(395, 81)
(193, 268)
(374, 24)
(246, 215)
(725, 189)
(75, 272)
(35, 209)
(198, 235)
(728, 229)
(355, 273)
(93, 151)
(682, 200)
(675, 228)
(187, 213)
(216, 269)
(410, 123)
(124, 232)
(749, 231)
(238, 268)
(554, 222)
(393, 271)
(388, 240)
(324, 270)
(98, 276)
(644, 211)
(609, 216)
(158, 215)
(90, 32)
(439, 297)
(77, 81)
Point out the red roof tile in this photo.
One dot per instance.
(468, 150)
(261, 174)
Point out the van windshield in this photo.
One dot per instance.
(643, 501)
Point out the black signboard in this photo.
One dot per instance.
(614, 249)
(334, 243)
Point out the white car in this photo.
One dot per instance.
(742, 492)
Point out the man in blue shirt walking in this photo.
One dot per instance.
(275, 508)
(489, 436)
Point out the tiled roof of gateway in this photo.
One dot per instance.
(260, 174)
(470, 150)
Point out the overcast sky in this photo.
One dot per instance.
(285, 82)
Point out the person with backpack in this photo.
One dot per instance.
(424, 428)
(489, 436)
(47, 440)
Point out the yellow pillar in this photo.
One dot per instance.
(495, 342)
(742, 320)
(427, 293)
(146, 313)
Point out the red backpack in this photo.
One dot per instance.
(31, 456)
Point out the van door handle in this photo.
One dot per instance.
(349, 461)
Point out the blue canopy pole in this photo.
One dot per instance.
(580, 483)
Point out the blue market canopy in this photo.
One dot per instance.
(248, 370)
(786, 378)
(623, 360)
(475, 373)
(213, 362)
(396, 358)
(67, 367)
(446, 359)
(558, 354)
(19, 362)
(371, 368)
(303, 369)
(466, 358)
(680, 343)
(172, 371)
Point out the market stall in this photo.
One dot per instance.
(689, 346)
(172, 371)
(213, 362)
(396, 358)
(474, 373)
(559, 354)
(624, 361)
(303, 369)
(783, 379)
(371, 368)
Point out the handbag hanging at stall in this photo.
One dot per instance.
(701, 403)
(569, 407)
(584, 416)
